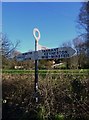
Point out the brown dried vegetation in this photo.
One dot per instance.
(61, 97)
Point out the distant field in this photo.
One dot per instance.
(77, 72)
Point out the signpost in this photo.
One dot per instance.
(55, 53)
(36, 61)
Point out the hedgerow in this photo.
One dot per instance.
(61, 97)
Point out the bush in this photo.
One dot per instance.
(63, 97)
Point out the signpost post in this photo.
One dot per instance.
(36, 61)
(55, 53)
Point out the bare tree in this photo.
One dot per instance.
(83, 21)
(83, 18)
(80, 46)
(6, 46)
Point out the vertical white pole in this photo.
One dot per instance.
(36, 72)
(36, 62)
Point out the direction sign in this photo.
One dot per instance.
(26, 56)
(55, 53)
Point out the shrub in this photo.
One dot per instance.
(61, 97)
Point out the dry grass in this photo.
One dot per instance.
(60, 97)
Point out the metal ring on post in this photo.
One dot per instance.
(34, 33)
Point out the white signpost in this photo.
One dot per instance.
(55, 53)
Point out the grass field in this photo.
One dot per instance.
(76, 72)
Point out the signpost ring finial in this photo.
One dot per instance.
(34, 34)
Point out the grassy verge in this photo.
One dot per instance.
(76, 72)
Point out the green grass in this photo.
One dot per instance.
(18, 71)
(76, 72)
